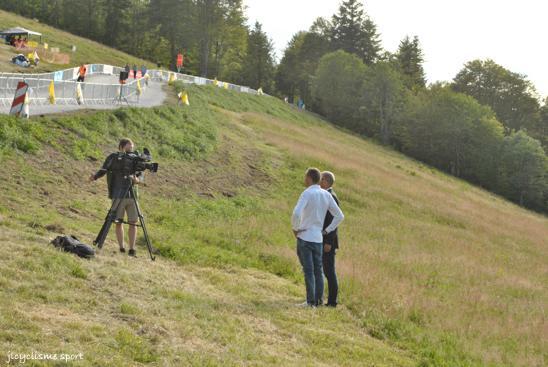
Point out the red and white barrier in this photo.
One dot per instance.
(19, 99)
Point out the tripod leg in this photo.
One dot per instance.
(111, 217)
(145, 232)
(147, 240)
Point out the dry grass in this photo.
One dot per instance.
(423, 245)
(120, 311)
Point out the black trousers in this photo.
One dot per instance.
(328, 259)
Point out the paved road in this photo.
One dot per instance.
(153, 95)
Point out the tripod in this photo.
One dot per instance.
(111, 218)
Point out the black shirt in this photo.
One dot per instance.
(118, 168)
(333, 237)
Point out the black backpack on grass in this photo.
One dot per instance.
(73, 245)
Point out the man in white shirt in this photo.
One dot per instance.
(307, 222)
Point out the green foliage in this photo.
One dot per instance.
(354, 32)
(299, 63)
(383, 103)
(509, 94)
(259, 61)
(410, 60)
(337, 86)
(454, 133)
(448, 130)
(541, 130)
(524, 171)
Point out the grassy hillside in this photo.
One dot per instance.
(87, 51)
(434, 272)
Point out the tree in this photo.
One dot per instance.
(299, 64)
(410, 61)
(354, 32)
(371, 44)
(322, 27)
(230, 41)
(259, 65)
(116, 17)
(542, 129)
(288, 71)
(453, 132)
(510, 95)
(524, 171)
(337, 87)
(383, 101)
(174, 20)
(210, 17)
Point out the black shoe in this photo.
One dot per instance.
(333, 305)
(122, 250)
(132, 253)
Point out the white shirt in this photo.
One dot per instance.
(309, 214)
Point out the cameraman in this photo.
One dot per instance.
(119, 182)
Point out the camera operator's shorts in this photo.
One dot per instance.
(126, 206)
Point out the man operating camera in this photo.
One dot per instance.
(120, 177)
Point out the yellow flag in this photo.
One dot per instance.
(215, 82)
(79, 94)
(52, 92)
(226, 85)
(139, 89)
(184, 99)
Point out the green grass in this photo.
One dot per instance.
(434, 272)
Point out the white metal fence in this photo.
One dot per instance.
(94, 93)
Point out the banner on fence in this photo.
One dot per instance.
(51, 91)
(58, 76)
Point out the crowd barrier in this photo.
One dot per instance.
(68, 91)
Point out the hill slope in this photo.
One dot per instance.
(87, 51)
(434, 272)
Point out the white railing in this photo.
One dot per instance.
(66, 91)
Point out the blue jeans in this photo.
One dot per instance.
(310, 256)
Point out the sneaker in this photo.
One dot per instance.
(332, 305)
(132, 253)
(305, 305)
(122, 250)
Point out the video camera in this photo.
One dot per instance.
(138, 163)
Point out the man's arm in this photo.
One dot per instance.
(337, 214)
(104, 169)
(298, 211)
